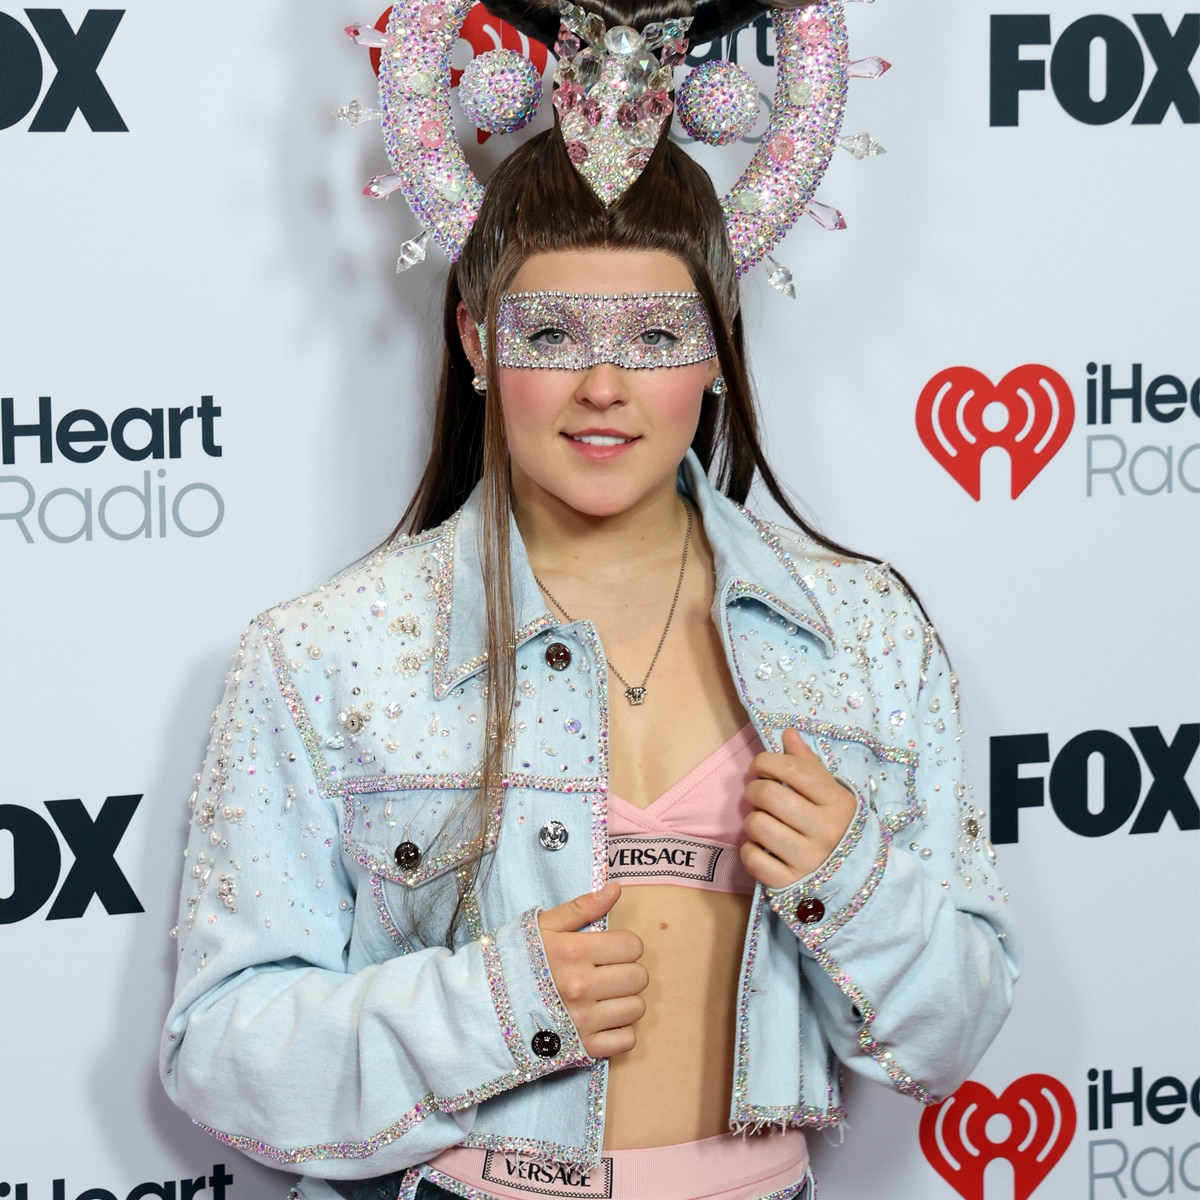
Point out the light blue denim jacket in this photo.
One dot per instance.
(320, 1024)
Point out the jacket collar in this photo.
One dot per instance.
(750, 558)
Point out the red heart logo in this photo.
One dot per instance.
(1038, 1125)
(961, 413)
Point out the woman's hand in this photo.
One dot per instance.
(597, 974)
(800, 814)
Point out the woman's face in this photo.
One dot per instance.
(583, 431)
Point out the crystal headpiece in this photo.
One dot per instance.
(613, 93)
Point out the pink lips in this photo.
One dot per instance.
(600, 451)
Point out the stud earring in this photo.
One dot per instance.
(479, 383)
(718, 387)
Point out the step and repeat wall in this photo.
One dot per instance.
(215, 391)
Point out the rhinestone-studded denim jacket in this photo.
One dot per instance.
(320, 1024)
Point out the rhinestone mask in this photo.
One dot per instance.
(566, 331)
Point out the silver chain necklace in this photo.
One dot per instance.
(636, 694)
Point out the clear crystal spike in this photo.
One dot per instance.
(861, 145)
(363, 34)
(380, 187)
(825, 215)
(868, 68)
(780, 278)
(413, 251)
(356, 114)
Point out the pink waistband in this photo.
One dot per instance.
(725, 1167)
(643, 858)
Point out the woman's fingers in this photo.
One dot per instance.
(776, 837)
(768, 870)
(801, 770)
(609, 1015)
(597, 973)
(573, 915)
(800, 814)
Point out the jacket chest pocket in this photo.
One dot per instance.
(414, 844)
(882, 774)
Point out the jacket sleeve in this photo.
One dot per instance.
(279, 1042)
(906, 935)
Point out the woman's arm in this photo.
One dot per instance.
(905, 932)
(282, 1040)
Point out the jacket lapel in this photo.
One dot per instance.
(751, 563)
(460, 643)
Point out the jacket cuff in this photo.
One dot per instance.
(537, 1028)
(817, 906)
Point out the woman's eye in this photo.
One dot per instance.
(549, 337)
(657, 337)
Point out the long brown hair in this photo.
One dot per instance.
(537, 202)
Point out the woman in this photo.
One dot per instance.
(594, 819)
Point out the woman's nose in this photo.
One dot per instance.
(602, 386)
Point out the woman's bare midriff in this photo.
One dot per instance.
(675, 1085)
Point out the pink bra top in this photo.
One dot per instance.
(690, 835)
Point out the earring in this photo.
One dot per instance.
(718, 387)
(479, 383)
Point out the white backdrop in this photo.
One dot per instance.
(219, 247)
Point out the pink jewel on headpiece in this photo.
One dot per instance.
(825, 215)
(433, 16)
(815, 31)
(781, 148)
(655, 103)
(868, 68)
(567, 45)
(431, 134)
(380, 187)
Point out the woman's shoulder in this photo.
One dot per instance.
(403, 570)
(376, 617)
(354, 658)
(836, 577)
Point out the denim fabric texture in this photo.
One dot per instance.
(321, 1025)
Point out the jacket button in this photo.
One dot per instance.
(558, 656)
(546, 1043)
(810, 911)
(553, 835)
(408, 856)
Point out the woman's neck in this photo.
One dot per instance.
(562, 541)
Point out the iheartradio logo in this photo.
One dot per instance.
(1030, 1125)
(961, 414)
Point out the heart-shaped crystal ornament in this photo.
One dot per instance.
(614, 94)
